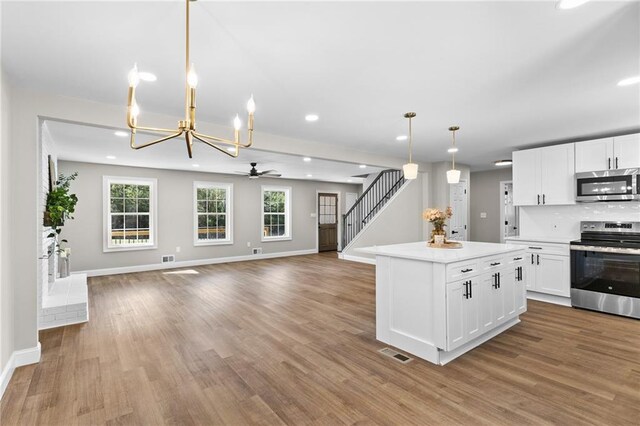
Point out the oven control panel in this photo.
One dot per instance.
(633, 227)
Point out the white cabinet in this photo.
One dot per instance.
(485, 301)
(621, 152)
(626, 151)
(526, 178)
(594, 155)
(544, 176)
(546, 268)
(463, 312)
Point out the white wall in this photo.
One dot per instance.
(400, 221)
(175, 216)
(564, 221)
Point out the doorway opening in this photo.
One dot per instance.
(509, 214)
(327, 221)
(458, 196)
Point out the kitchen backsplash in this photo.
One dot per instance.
(564, 221)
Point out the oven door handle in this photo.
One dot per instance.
(613, 250)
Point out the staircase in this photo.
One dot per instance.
(385, 185)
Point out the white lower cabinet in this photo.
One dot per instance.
(547, 267)
(463, 312)
(481, 303)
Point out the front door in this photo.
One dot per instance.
(327, 222)
(458, 222)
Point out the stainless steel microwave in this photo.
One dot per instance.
(608, 185)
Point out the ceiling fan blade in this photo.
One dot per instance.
(264, 172)
(275, 175)
(241, 173)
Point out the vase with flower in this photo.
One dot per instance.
(438, 219)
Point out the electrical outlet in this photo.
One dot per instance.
(483, 215)
(178, 249)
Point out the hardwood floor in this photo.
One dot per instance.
(292, 341)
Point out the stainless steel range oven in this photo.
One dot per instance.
(605, 268)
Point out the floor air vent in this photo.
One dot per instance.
(396, 355)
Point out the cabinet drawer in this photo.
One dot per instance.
(516, 259)
(547, 248)
(494, 263)
(461, 270)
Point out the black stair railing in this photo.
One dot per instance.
(383, 187)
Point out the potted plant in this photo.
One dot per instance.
(60, 203)
(437, 218)
(60, 206)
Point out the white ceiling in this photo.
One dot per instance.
(92, 144)
(511, 74)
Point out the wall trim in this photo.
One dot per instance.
(196, 262)
(359, 259)
(18, 359)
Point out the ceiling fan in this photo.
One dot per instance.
(255, 174)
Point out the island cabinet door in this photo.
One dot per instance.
(463, 313)
(508, 289)
(498, 298)
(530, 270)
(520, 289)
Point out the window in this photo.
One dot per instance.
(276, 213)
(213, 218)
(129, 213)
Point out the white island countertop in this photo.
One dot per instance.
(420, 251)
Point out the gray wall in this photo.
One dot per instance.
(485, 197)
(175, 216)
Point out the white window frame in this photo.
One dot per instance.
(228, 187)
(153, 213)
(287, 213)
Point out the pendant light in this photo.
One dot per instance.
(410, 169)
(453, 175)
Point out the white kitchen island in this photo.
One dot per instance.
(438, 304)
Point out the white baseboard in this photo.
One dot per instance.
(549, 298)
(188, 263)
(18, 359)
(353, 258)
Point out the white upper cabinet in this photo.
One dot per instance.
(621, 152)
(526, 179)
(544, 176)
(626, 151)
(594, 155)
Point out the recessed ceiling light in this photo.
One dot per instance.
(570, 4)
(121, 133)
(503, 163)
(309, 175)
(402, 138)
(111, 157)
(311, 117)
(306, 159)
(231, 149)
(629, 81)
(452, 150)
(147, 76)
(363, 166)
(196, 165)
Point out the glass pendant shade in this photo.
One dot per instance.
(410, 171)
(453, 176)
